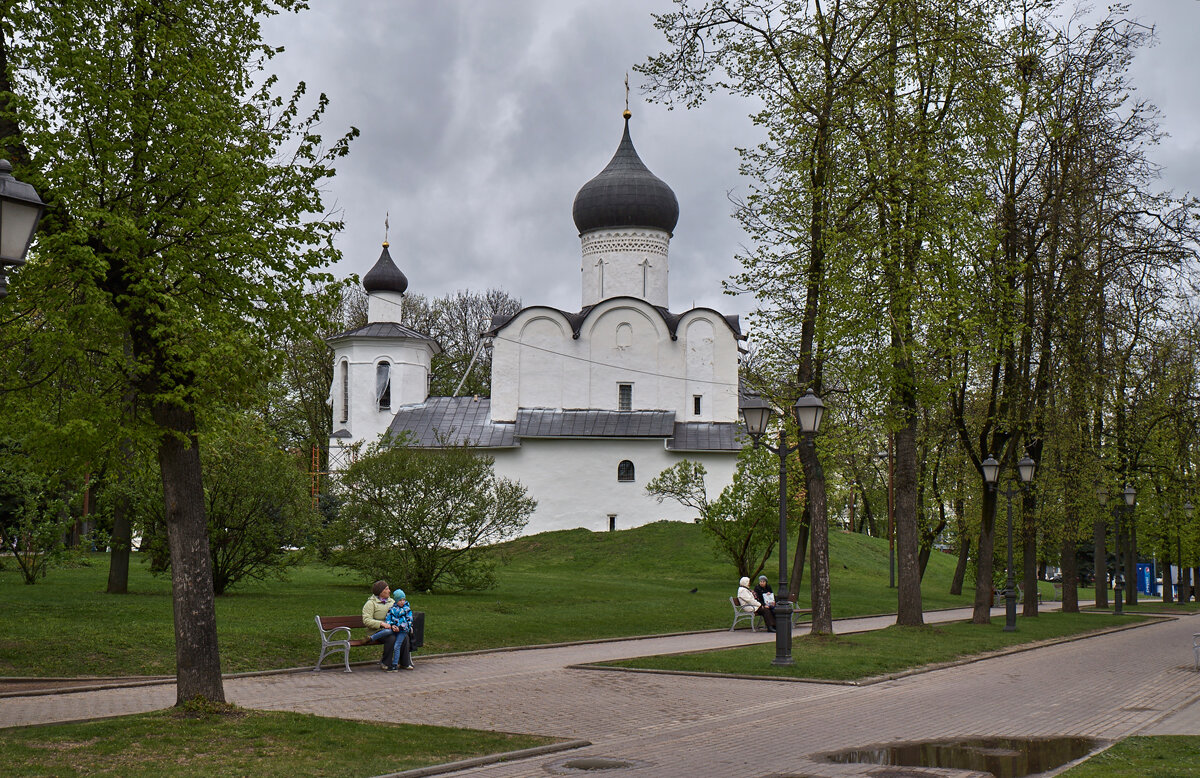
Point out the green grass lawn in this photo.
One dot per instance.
(260, 743)
(553, 587)
(1164, 756)
(891, 650)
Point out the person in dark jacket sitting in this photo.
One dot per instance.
(761, 592)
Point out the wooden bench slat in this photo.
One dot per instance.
(331, 622)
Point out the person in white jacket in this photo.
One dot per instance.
(750, 604)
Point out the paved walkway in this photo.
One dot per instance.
(1107, 687)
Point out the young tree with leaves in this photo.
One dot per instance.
(190, 198)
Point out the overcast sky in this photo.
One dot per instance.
(481, 119)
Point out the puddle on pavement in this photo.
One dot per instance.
(590, 764)
(1002, 757)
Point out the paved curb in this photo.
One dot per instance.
(875, 679)
(479, 761)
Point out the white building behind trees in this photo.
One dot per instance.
(586, 406)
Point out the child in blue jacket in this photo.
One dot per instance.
(400, 615)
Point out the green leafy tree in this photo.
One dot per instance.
(33, 519)
(423, 516)
(190, 204)
(743, 521)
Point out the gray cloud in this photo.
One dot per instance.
(481, 120)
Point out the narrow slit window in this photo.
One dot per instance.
(383, 385)
(345, 391)
(625, 470)
(624, 397)
(696, 404)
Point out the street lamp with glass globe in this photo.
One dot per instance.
(756, 414)
(20, 210)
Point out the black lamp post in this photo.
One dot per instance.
(756, 414)
(991, 475)
(1188, 510)
(20, 210)
(1130, 495)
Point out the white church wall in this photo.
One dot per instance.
(409, 366)
(536, 362)
(711, 354)
(575, 481)
(639, 363)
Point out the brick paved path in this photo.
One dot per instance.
(698, 727)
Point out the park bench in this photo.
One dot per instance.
(336, 633)
(739, 615)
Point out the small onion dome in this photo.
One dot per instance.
(385, 276)
(625, 194)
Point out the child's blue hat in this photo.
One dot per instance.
(398, 594)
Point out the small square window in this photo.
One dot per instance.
(624, 397)
(696, 404)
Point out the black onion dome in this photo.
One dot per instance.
(625, 194)
(385, 276)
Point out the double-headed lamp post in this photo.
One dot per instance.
(1130, 496)
(756, 414)
(20, 210)
(991, 474)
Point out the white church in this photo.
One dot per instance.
(587, 406)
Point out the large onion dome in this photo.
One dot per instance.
(625, 194)
(385, 276)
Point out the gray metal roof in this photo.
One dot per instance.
(707, 436)
(455, 420)
(554, 423)
(385, 329)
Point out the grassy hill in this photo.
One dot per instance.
(553, 587)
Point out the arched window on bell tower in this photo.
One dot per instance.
(383, 385)
(345, 368)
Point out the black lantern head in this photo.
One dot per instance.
(809, 409)
(756, 414)
(1130, 495)
(1025, 469)
(991, 470)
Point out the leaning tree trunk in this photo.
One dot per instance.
(799, 555)
(960, 569)
(197, 663)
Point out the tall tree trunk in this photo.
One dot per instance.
(908, 541)
(1131, 591)
(982, 613)
(1070, 575)
(120, 543)
(1100, 559)
(1029, 553)
(814, 477)
(197, 662)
